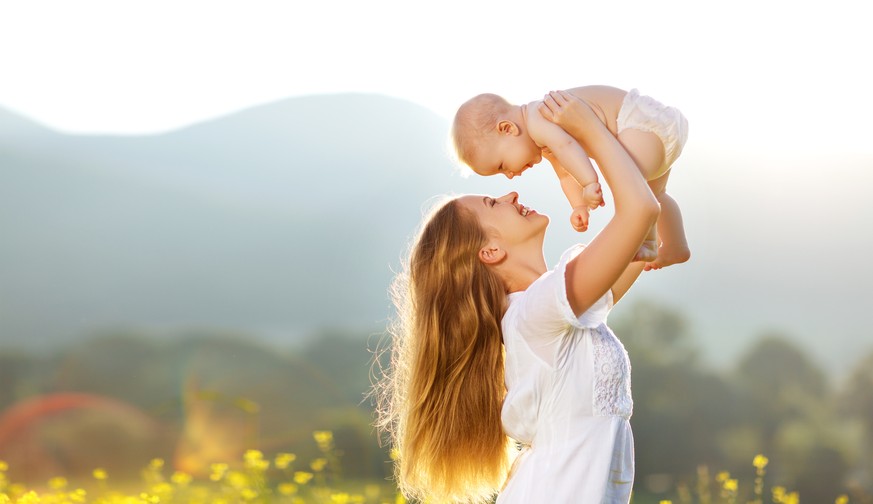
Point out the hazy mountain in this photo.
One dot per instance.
(281, 218)
(290, 216)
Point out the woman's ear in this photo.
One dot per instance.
(505, 127)
(491, 254)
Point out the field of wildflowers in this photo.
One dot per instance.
(282, 478)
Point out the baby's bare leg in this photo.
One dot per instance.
(647, 151)
(674, 246)
(648, 251)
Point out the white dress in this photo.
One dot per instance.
(568, 398)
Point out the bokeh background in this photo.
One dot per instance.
(202, 205)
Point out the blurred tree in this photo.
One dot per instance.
(660, 335)
(678, 406)
(345, 358)
(19, 377)
(121, 364)
(781, 384)
(790, 405)
(217, 394)
(856, 400)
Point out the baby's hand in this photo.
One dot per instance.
(579, 218)
(563, 109)
(593, 196)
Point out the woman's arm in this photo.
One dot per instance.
(570, 161)
(597, 268)
(624, 282)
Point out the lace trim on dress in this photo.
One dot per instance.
(612, 375)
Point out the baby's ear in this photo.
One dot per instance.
(508, 128)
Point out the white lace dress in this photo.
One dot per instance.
(568, 398)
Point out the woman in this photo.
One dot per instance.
(477, 288)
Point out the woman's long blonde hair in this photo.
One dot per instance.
(440, 400)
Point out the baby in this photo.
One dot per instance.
(495, 137)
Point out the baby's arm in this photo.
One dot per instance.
(569, 160)
(573, 191)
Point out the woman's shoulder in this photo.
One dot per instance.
(543, 305)
(569, 254)
(550, 291)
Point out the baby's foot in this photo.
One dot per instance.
(648, 251)
(668, 255)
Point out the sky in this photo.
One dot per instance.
(768, 75)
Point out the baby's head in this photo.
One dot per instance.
(491, 138)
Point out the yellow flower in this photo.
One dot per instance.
(302, 478)
(30, 497)
(100, 474)
(217, 471)
(318, 464)
(254, 459)
(323, 437)
(162, 488)
(778, 494)
(156, 464)
(252, 455)
(722, 476)
(339, 498)
(283, 460)
(760, 461)
(730, 485)
(666, 502)
(3, 466)
(58, 483)
(78, 495)
(4, 499)
(180, 478)
(287, 488)
(153, 499)
(237, 479)
(842, 499)
(249, 494)
(792, 498)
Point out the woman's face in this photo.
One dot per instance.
(506, 218)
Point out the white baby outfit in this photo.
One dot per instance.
(644, 113)
(568, 398)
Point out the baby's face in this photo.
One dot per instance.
(508, 155)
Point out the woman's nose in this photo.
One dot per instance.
(509, 197)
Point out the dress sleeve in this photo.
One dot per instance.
(542, 314)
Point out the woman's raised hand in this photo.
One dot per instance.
(565, 109)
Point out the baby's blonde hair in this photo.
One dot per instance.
(440, 400)
(474, 120)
